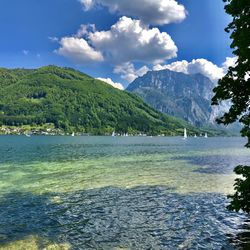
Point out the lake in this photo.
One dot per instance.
(120, 193)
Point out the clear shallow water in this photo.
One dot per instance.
(120, 193)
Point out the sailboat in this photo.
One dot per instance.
(113, 134)
(195, 136)
(185, 134)
(205, 135)
(73, 134)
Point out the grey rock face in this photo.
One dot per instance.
(177, 94)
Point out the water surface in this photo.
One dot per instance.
(120, 193)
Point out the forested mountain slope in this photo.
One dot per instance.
(73, 101)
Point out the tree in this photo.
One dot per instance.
(235, 87)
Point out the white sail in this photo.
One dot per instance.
(205, 135)
(113, 134)
(185, 133)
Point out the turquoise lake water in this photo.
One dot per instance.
(120, 193)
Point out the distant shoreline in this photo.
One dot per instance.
(50, 130)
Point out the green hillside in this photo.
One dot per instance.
(73, 101)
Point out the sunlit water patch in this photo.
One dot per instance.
(119, 193)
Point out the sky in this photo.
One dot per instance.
(116, 40)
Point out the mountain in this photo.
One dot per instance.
(73, 101)
(177, 94)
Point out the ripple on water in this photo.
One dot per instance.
(112, 218)
(45, 204)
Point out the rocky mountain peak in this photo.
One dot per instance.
(178, 94)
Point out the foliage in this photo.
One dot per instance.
(241, 198)
(73, 101)
(235, 86)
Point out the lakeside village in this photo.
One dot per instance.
(54, 132)
(50, 130)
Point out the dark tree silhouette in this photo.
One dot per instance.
(235, 86)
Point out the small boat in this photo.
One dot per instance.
(113, 134)
(195, 136)
(28, 135)
(73, 134)
(205, 135)
(185, 134)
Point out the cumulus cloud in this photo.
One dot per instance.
(157, 12)
(85, 29)
(114, 84)
(128, 71)
(130, 40)
(201, 66)
(179, 66)
(230, 62)
(127, 40)
(206, 68)
(78, 50)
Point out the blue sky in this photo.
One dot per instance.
(37, 33)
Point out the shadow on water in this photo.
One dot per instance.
(243, 236)
(215, 164)
(148, 217)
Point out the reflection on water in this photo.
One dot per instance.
(119, 193)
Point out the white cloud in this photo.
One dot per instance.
(142, 71)
(130, 40)
(128, 71)
(25, 52)
(230, 62)
(127, 40)
(53, 39)
(179, 66)
(206, 68)
(157, 12)
(87, 4)
(201, 66)
(109, 81)
(78, 50)
(85, 29)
